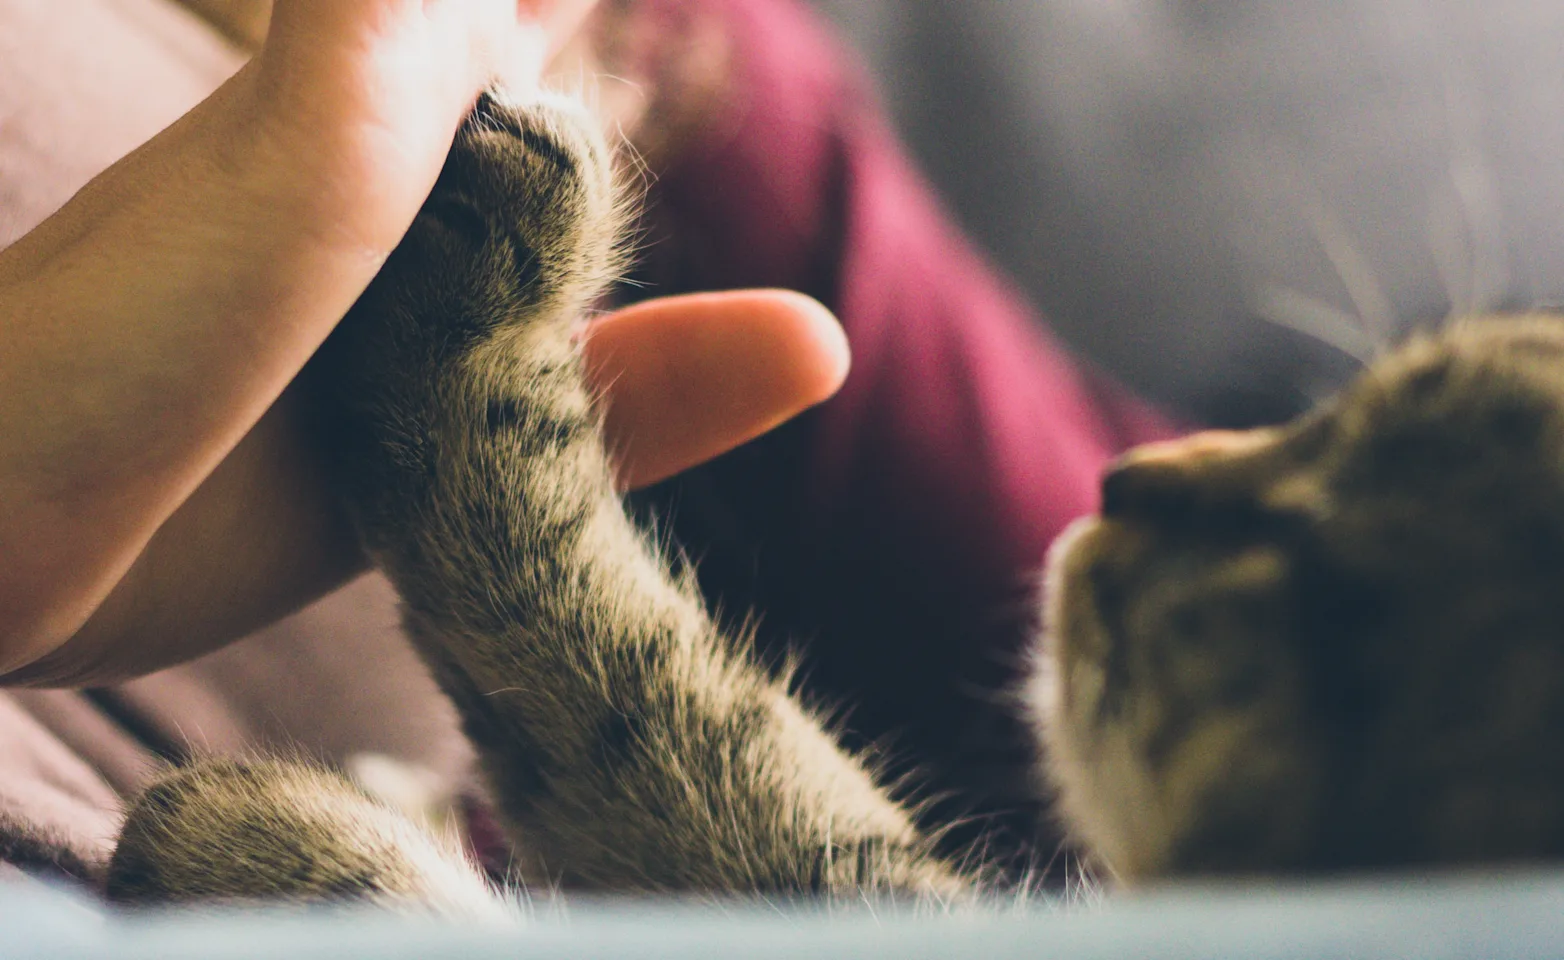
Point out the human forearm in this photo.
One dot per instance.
(258, 540)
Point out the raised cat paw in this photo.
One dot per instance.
(471, 315)
(523, 223)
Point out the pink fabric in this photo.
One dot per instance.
(895, 532)
(958, 396)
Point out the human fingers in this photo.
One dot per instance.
(687, 378)
(364, 97)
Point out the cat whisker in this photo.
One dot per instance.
(1297, 311)
(1466, 238)
(1375, 312)
(504, 690)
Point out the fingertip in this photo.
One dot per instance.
(790, 342)
(688, 378)
(824, 356)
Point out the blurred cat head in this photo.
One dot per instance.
(1333, 645)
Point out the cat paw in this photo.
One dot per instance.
(522, 225)
(522, 228)
(475, 306)
(268, 831)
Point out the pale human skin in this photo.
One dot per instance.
(158, 496)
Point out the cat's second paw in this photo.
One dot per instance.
(270, 831)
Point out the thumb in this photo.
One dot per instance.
(688, 378)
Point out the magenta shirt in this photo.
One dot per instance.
(895, 533)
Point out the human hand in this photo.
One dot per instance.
(155, 319)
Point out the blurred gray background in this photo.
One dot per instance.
(1226, 201)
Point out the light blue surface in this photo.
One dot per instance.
(1511, 918)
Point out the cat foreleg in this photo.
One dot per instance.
(630, 744)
